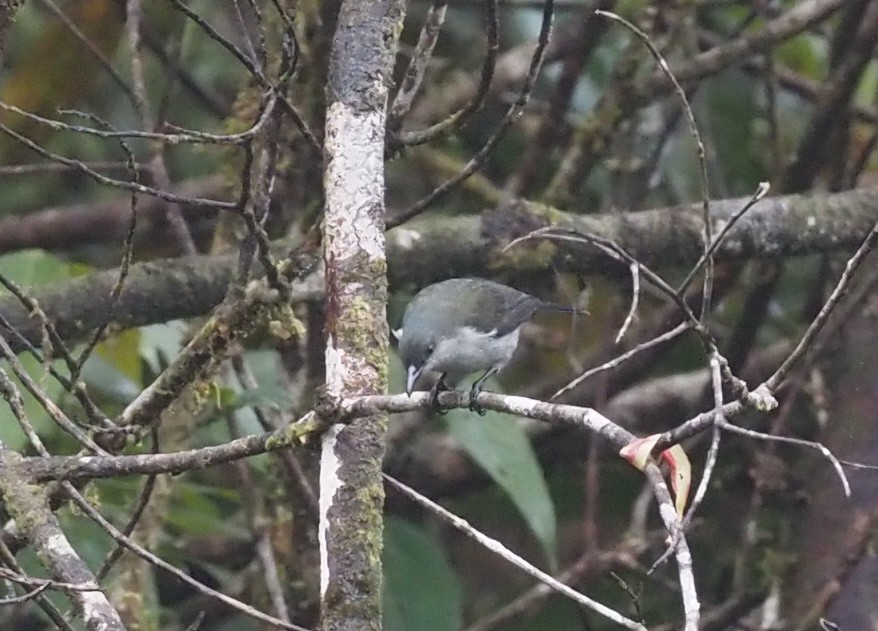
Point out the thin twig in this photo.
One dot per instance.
(289, 108)
(449, 124)
(510, 117)
(142, 502)
(702, 163)
(48, 607)
(51, 408)
(107, 65)
(716, 381)
(505, 553)
(418, 63)
(635, 298)
(255, 504)
(160, 563)
(158, 167)
(614, 250)
(124, 265)
(585, 566)
(180, 135)
(761, 192)
(82, 167)
(271, 421)
(773, 382)
(608, 365)
(836, 464)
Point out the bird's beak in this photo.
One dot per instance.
(411, 378)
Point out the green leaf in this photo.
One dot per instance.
(10, 431)
(160, 342)
(122, 350)
(30, 268)
(421, 589)
(499, 445)
(105, 377)
(804, 55)
(202, 510)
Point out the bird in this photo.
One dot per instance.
(461, 326)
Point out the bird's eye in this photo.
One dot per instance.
(430, 348)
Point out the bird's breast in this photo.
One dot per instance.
(472, 351)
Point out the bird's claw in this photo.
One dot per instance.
(474, 404)
(434, 399)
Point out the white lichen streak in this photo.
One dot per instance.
(354, 188)
(330, 481)
(59, 546)
(329, 484)
(95, 606)
(354, 181)
(336, 361)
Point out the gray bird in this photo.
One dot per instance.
(461, 326)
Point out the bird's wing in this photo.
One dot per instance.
(517, 309)
(521, 309)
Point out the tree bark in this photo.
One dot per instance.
(351, 488)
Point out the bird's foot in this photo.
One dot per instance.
(434, 398)
(473, 402)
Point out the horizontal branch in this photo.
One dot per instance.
(441, 247)
(66, 228)
(44, 469)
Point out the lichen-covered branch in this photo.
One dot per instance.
(442, 247)
(28, 504)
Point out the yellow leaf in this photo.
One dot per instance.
(681, 475)
(638, 451)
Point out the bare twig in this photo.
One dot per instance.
(158, 168)
(177, 135)
(716, 381)
(453, 121)
(271, 421)
(761, 192)
(108, 181)
(505, 553)
(124, 266)
(419, 61)
(160, 563)
(51, 408)
(824, 451)
(635, 298)
(43, 603)
(289, 108)
(702, 163)
(96, 52)
(255, 503)
(510, 117)
(608, 365)
(582, 568)
(139, 508)
(819, 322)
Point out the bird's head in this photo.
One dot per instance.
(416, 348)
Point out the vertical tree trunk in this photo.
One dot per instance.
(351, 490)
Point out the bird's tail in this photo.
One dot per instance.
(553, 306)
